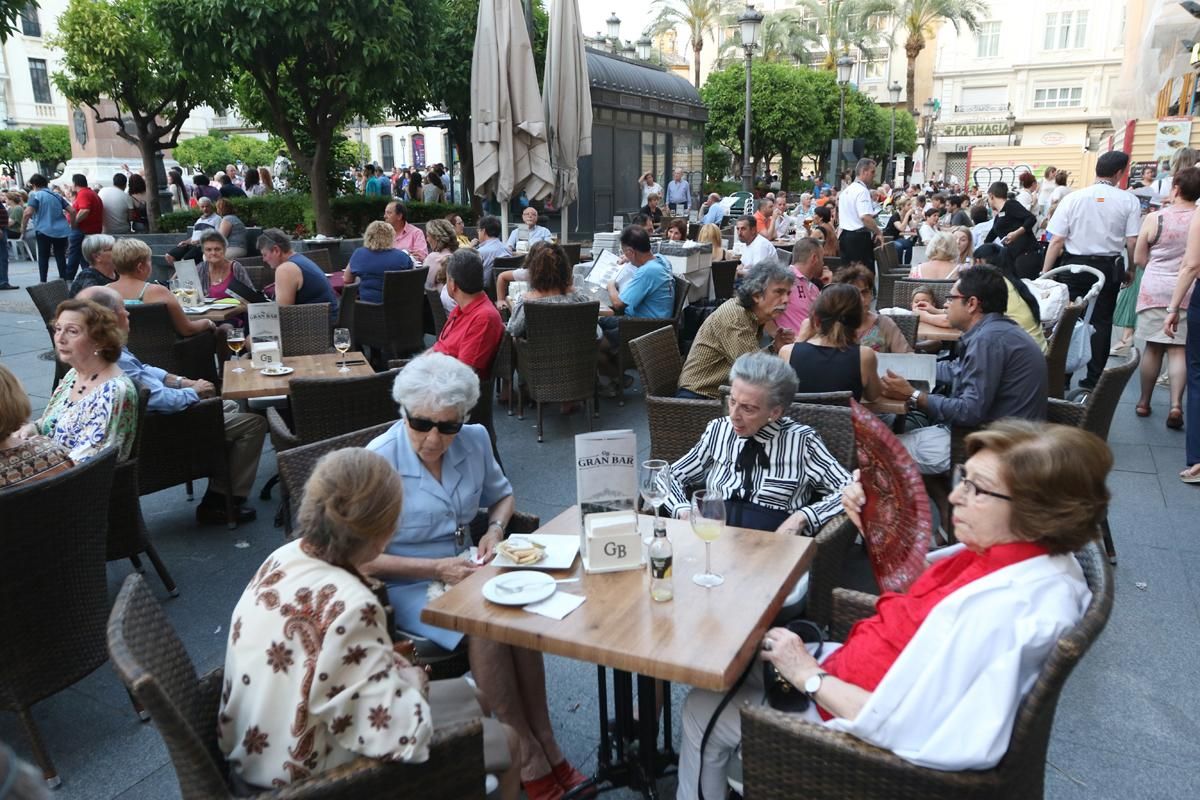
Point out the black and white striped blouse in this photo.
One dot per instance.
(802, 474)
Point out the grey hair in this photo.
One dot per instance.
(95, 243)
(804, 195)
(204, 201)
(766, 372)
(213, 236)
(759, 277)
(863, 165)
(942, 247)
(436, 381)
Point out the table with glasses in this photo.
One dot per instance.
(254, 383)
(704, 637)
(221, 313)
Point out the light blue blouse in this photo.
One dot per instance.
(433, 511)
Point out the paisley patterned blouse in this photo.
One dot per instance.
(32, 460)
(106, 416)
(311, 680)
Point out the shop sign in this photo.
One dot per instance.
(975, 129)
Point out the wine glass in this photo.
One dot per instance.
(653, 486)
(236, 341)
(341, 343)
(708, 519)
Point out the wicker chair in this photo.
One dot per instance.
(346, 304)
(1056, 352)
(724, 274)
(834, 263)
(433, 298)
(675, 423)
(557, 359)
(631, 328)
(886, 258)
(156, 669)
(297, 463)
(501, 264)
(395, 326)
(903, 288)
(304, 330)
(184, 447)
(47, 296)
(260, 274)
(785, 757)
(54, 589)
(319, 256)
(886, 280)
(127, 534)
(152, 338)
(908, 324)
(574, 252)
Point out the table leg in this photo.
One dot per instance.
(605, 758)
(623, 699)
(648, 736)
(668, 745)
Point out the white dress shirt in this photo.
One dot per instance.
(854, 203)
(757, 252)
(1096, 221)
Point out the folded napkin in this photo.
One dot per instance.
(557, 605)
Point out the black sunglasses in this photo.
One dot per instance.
(422, 425)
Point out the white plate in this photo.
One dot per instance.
(560, 552)
(534, 587)
(277, 372)
(196, 309)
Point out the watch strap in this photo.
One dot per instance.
(821, 676)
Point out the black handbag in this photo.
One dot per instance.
(781, 694)
(744, 514)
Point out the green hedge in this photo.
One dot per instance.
(293, 213)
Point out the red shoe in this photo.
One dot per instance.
(568, 778)
(543, 788)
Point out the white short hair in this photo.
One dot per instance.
(435, 381)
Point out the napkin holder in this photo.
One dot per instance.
(611, 542)
(265, 354)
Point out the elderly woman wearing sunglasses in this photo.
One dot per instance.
(449, 473)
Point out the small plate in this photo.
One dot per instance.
(533, 586)
(277, 372)
(560, 552)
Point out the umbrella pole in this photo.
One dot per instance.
(565, 226)
(503, 221)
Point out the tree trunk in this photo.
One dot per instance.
(318, 182)
(785, 169)
(912, 48)
(149, 151)
(461, 133)
(696, 56)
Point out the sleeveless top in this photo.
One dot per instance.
(827, 369)
(1166, 256)
(316, 287)
(137, 301)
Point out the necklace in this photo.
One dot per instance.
(81, 388)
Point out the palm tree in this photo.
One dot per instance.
(782, 38)
(841, 24)
(700, 17)
(919, 18)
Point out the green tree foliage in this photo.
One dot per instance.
(48, 147)
(10, 14)
(450, 82)
(118, 50)
(700, 17)
(841, 24)
(305, 68)
(783, 38)
(918, 22)
(216, 150)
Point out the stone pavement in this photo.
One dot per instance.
(1128, 725)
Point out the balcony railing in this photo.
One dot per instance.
(983, 108)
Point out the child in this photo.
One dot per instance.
(924, 303)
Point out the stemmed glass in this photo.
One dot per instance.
(708, 520)
(653, 486)
(236, 341)
(341, 343)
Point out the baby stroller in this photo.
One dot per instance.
(1079, 351)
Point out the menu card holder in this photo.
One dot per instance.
(265, 337)
(606, 488)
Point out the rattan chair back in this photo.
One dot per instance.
(152, 338)
(433, 297)
(1057, 348)
(574, 252)
(903, 288)
(833, 425)
(46, 297)
(658, 361)
(53, 586)
(724, 274)
(557, 358)
(908, 325)
(346, 304)
(397, 324)
(327, 407)
(319, 256)
(304, 330)
(296, 464)
(886, 258)
(184, 446)
(260, 274)
(885, 280)
(1102, 401)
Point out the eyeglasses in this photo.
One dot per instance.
(422, 425)
(950, 297)
(970, 487)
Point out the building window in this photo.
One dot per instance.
(41, 80)
(1065, 30)
(989, 40)
(30, 24)
(1062, 97)
(386, 153)
(876, 69)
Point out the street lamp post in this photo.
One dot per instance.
(750, 22)
(1012, 121)
(845, 65)
(894, 92)
(931, 113)
(614, 32)
(643, 48)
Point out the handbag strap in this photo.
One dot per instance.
(712, 722)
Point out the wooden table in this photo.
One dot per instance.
(252, 383)
(221, 313)
(703, 637)
(935, 333)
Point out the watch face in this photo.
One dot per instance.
(813, 684)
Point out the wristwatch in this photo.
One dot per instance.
(913, 398)
(498, 524)
(813, 684)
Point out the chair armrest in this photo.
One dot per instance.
(282, 437)
(833, 542)
(849, 607)
(521, 522)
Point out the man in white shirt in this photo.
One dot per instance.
(117, 204)
(757, 249)
(679, 193)
(856, 214)
(1097, 226)
(533, 232)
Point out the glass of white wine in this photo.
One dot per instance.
(708, 520)
(341, 343)
(236, 341)
(653, 487)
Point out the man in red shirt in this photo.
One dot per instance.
(472, 333)
(86, 218)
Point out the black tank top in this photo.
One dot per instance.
(827, 369)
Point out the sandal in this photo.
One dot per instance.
(1190, 475)
(1142, 409)
(1175, 419)
(546, 787)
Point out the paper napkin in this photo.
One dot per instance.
(557, 605)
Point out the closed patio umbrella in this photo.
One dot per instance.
(568, 97)
(508, 129)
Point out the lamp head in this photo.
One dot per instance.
(614, 26)
(894, 90)
(750, 21)
(643, 47)
(845, 65)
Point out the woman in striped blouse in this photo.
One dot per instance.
(774, 473)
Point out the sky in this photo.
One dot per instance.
(635, 16)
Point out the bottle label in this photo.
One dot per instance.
(660, 568)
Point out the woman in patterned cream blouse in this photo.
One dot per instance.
(95, 404)
(312, 678)
(24, 459)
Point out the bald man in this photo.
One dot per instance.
(713, 211)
